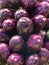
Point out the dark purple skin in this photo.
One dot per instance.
(43, 0)
(15, 59)
(20, 13)
(33, 60)
(9, 24)
(39, 0)
(14, 1)
(4, 3)
(42, 33)
(3, 36)
(1, 21)
(46, 0)
(35, 42)
(4, 51)
(39, 21)
(16, 43)
(2, 30)
(47, 25)
(43, 8)
(14, 4)
(29, 4)
(24, 26)
(44, 55)
(5, 13)
(47, 45)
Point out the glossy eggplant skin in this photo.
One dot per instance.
(20, 13)
(4, 3)
(44, 55)
(35, 42)
(46, 0)
(5, 13)
(43, 8)
(9, 24)
(29, 3)
(3, 36)
(14, 4)
(15, 59)
(39, 21)
(2, 30)
(14, 1)
(4, 51)
(33, 60)
(16, 43)
(24, 26)
(43, 0)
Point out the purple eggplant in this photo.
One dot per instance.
(20, 13)
(15, 59)
(4, 3)
(5, 13)
(43, 8)
(29, 4)
(39, 21)
(4, 51)
(14, 1)
(33, 60)
(16, 43)
(35, 42)
(24, 26)
(44, 55)
(9, 24)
